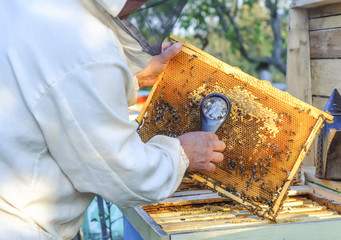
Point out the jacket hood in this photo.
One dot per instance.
(114, 7)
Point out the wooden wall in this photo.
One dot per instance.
(325, 51)
(314, 53)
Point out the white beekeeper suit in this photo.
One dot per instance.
(64, 129)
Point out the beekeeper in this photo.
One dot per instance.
(68, 73)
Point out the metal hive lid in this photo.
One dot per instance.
(334, 103)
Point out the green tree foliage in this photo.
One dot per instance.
(245, 33)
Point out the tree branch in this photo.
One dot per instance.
(275, 60)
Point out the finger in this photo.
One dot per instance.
(166, 45)
(217, 157)
(147, 83)
(170, 52)
(211, 136)
(210, 167)
(218, 145)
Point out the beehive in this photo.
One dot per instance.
(267, 134)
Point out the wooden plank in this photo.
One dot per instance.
(310, 176)
(299, 190)
(325, 76)
(327, 10)
(325, 44)
(298, 62)
(325, 23)
(298, 68)
(306, 230)
(311, 3)
(326, 202)
(144, 224)
(190, 192)
(319, 102)
(327, 193)
(194, 199)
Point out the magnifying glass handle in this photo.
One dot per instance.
(211, 126)
(212, 122)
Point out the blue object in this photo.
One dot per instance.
(129, 231)
(212, 115)
(328, 164)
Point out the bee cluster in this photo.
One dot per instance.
(165, 117)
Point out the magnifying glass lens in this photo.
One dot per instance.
(215, 108)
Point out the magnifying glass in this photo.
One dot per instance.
(214, 110)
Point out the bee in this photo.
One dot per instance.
(195, 56)
(291, 140)
(309, 110)
(182, 71)
(242, 170)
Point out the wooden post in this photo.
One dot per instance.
(298, 68)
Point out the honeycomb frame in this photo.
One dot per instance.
(267, 134)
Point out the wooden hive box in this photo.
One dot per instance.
(314, 53)
(314, 70)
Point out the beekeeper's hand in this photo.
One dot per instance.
(203, 150)
(148, 76)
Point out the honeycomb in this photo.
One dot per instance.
(267, 133)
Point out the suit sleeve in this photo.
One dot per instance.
(84, 118)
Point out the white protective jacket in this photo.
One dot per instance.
(64, 129)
